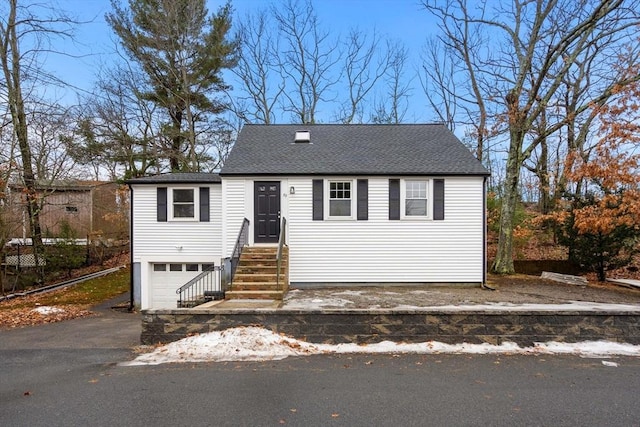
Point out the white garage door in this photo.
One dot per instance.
(166, 278)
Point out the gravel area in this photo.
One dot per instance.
(517, 289)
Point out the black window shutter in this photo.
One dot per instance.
(438, 199)
(318, 207)
(363, 199)
(394, 199)
(161, 203)
(204, 204)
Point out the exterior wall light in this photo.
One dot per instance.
(292, 190)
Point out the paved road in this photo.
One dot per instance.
(66, 374)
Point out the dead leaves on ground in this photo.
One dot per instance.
(27, 316)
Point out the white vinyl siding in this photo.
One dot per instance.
(383, 251)
(173, 241)
(236, 208)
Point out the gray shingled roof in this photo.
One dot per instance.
(178, 178)
(428, 149)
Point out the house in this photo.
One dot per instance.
(355, 204)
(176, 233)
(70, 209)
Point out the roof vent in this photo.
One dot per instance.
(302, 136)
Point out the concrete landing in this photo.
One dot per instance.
(250, 304)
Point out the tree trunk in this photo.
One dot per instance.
(503, 263)
(175, 156)
(544, 201)
(12, 72)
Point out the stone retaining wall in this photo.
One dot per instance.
(369, 326)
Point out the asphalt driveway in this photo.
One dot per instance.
(108, 328)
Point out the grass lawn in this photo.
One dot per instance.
(73, 301)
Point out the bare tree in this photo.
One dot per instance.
(457, 100)
(25, 33)
(528, 48)
(307, 60)
(51, 131)
(257, 70)
(392, 105)
(365, 63)
(119, 129)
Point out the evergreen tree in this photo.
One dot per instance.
(182, 52)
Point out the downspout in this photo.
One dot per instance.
(131, 299)
(484, 285)
(484, 230)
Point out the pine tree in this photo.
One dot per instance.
(182, 52)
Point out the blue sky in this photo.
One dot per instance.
(403, 20)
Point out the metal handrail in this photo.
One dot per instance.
(241, 242)
(281, 242)
(202, 287)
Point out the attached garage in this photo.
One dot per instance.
(176, 229)
(166, 278)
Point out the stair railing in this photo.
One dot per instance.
(241, 242)
(206, 286)
(281, 242)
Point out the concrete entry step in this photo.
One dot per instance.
(255, 294)
(249, 304)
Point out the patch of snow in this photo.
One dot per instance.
(423, 292)
(333, 301)
(45, 310)
(236, 344)
(609, 363)
(313, 304)
(259, 344)
(593, 348)
(348, 292)
(569, 306)
(407, 307)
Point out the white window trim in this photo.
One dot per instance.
(196, 205)
(403, 198)
(327, 200)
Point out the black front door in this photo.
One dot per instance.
(267, 211)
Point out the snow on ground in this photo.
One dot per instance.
(569, 306)
(45, 309)
(316, 303)
(348, 292)
(333, 302)
(259, 344)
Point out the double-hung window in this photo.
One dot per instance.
(415, 198)
(183, 203)
(340, 199)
